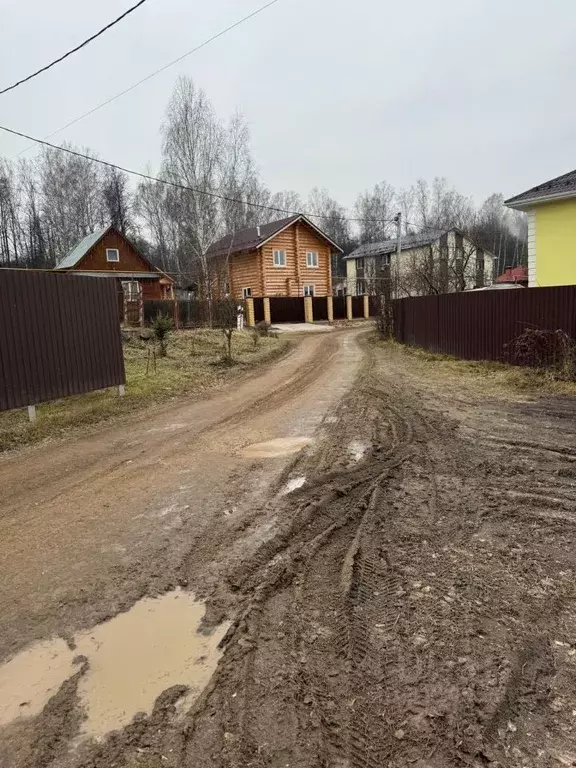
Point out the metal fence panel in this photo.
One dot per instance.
(258, 310)
(287, 309)
(357, 306)
(374, 305)
(320, 308)
(339, 307)
(481, 325)
(59, 336)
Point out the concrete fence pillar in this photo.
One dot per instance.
(330, 304)
(250, 322)
(308, 310)
(267, 314)
(349, 307)
(366, 307)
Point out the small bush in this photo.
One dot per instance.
(162, 325)
(263, 328)
(553, 351)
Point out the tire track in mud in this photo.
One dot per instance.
(341, 512)
(409, 610)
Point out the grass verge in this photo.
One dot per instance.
(490, 376)
(193, 366)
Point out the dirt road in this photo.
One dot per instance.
(398, 592)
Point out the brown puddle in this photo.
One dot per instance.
(281, 446)
(32, 677)
(132, 659)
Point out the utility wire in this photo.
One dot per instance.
(179, 185)
(74, 50)
(157, 72)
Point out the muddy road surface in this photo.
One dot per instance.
(347, 561)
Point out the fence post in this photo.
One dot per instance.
(250, 322)
(175, 315)
(330, 304)
(308, 310)
(348, 307)
(366, 306)
(267, 315)
(141, 311)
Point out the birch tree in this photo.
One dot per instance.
(376, 209)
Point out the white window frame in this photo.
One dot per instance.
(247, 293)
(281, 255)
(360, 262)
(132, 290)
(112, 250)
(307, 287)
(385, 260)
(312, 263)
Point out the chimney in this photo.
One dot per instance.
(258, 231)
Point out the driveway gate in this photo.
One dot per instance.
(287, 309)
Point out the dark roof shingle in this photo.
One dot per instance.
(254, 237)
(248, 239)
(561, 184)
(389, 246)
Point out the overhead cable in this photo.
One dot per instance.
(74, 50)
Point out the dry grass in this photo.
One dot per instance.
(490, 377)
(194, 365)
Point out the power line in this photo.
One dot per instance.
(157, 72)
(74, 50)
(179, 185)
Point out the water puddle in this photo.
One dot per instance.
(357, 450)
(32, 677)
(132, 659)
(292, 485)
(281, 446)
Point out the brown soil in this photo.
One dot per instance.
(415, 608)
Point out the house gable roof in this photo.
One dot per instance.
(513, 275)
(558, 188)
(389, 246)
(255, 237)
(81, 249)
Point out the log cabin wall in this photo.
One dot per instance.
(245, 273)
(290, 280)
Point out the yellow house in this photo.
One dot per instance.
(551, 209)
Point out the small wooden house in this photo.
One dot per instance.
(290, 257)
(109, 253)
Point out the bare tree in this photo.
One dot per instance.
(406, 202)
(440, 207)
(192, 155)
(32, 225)
(214, 161)
(70, 198)
(117, 199)
(152, 208)
(9, 222)
(376, 209)
(240, 180)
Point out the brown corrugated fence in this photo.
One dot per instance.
(59, 336)
(480, 325)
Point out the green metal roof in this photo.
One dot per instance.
(81, 249)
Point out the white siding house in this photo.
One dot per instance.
(434, 262)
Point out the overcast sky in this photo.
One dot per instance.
(337, 93)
